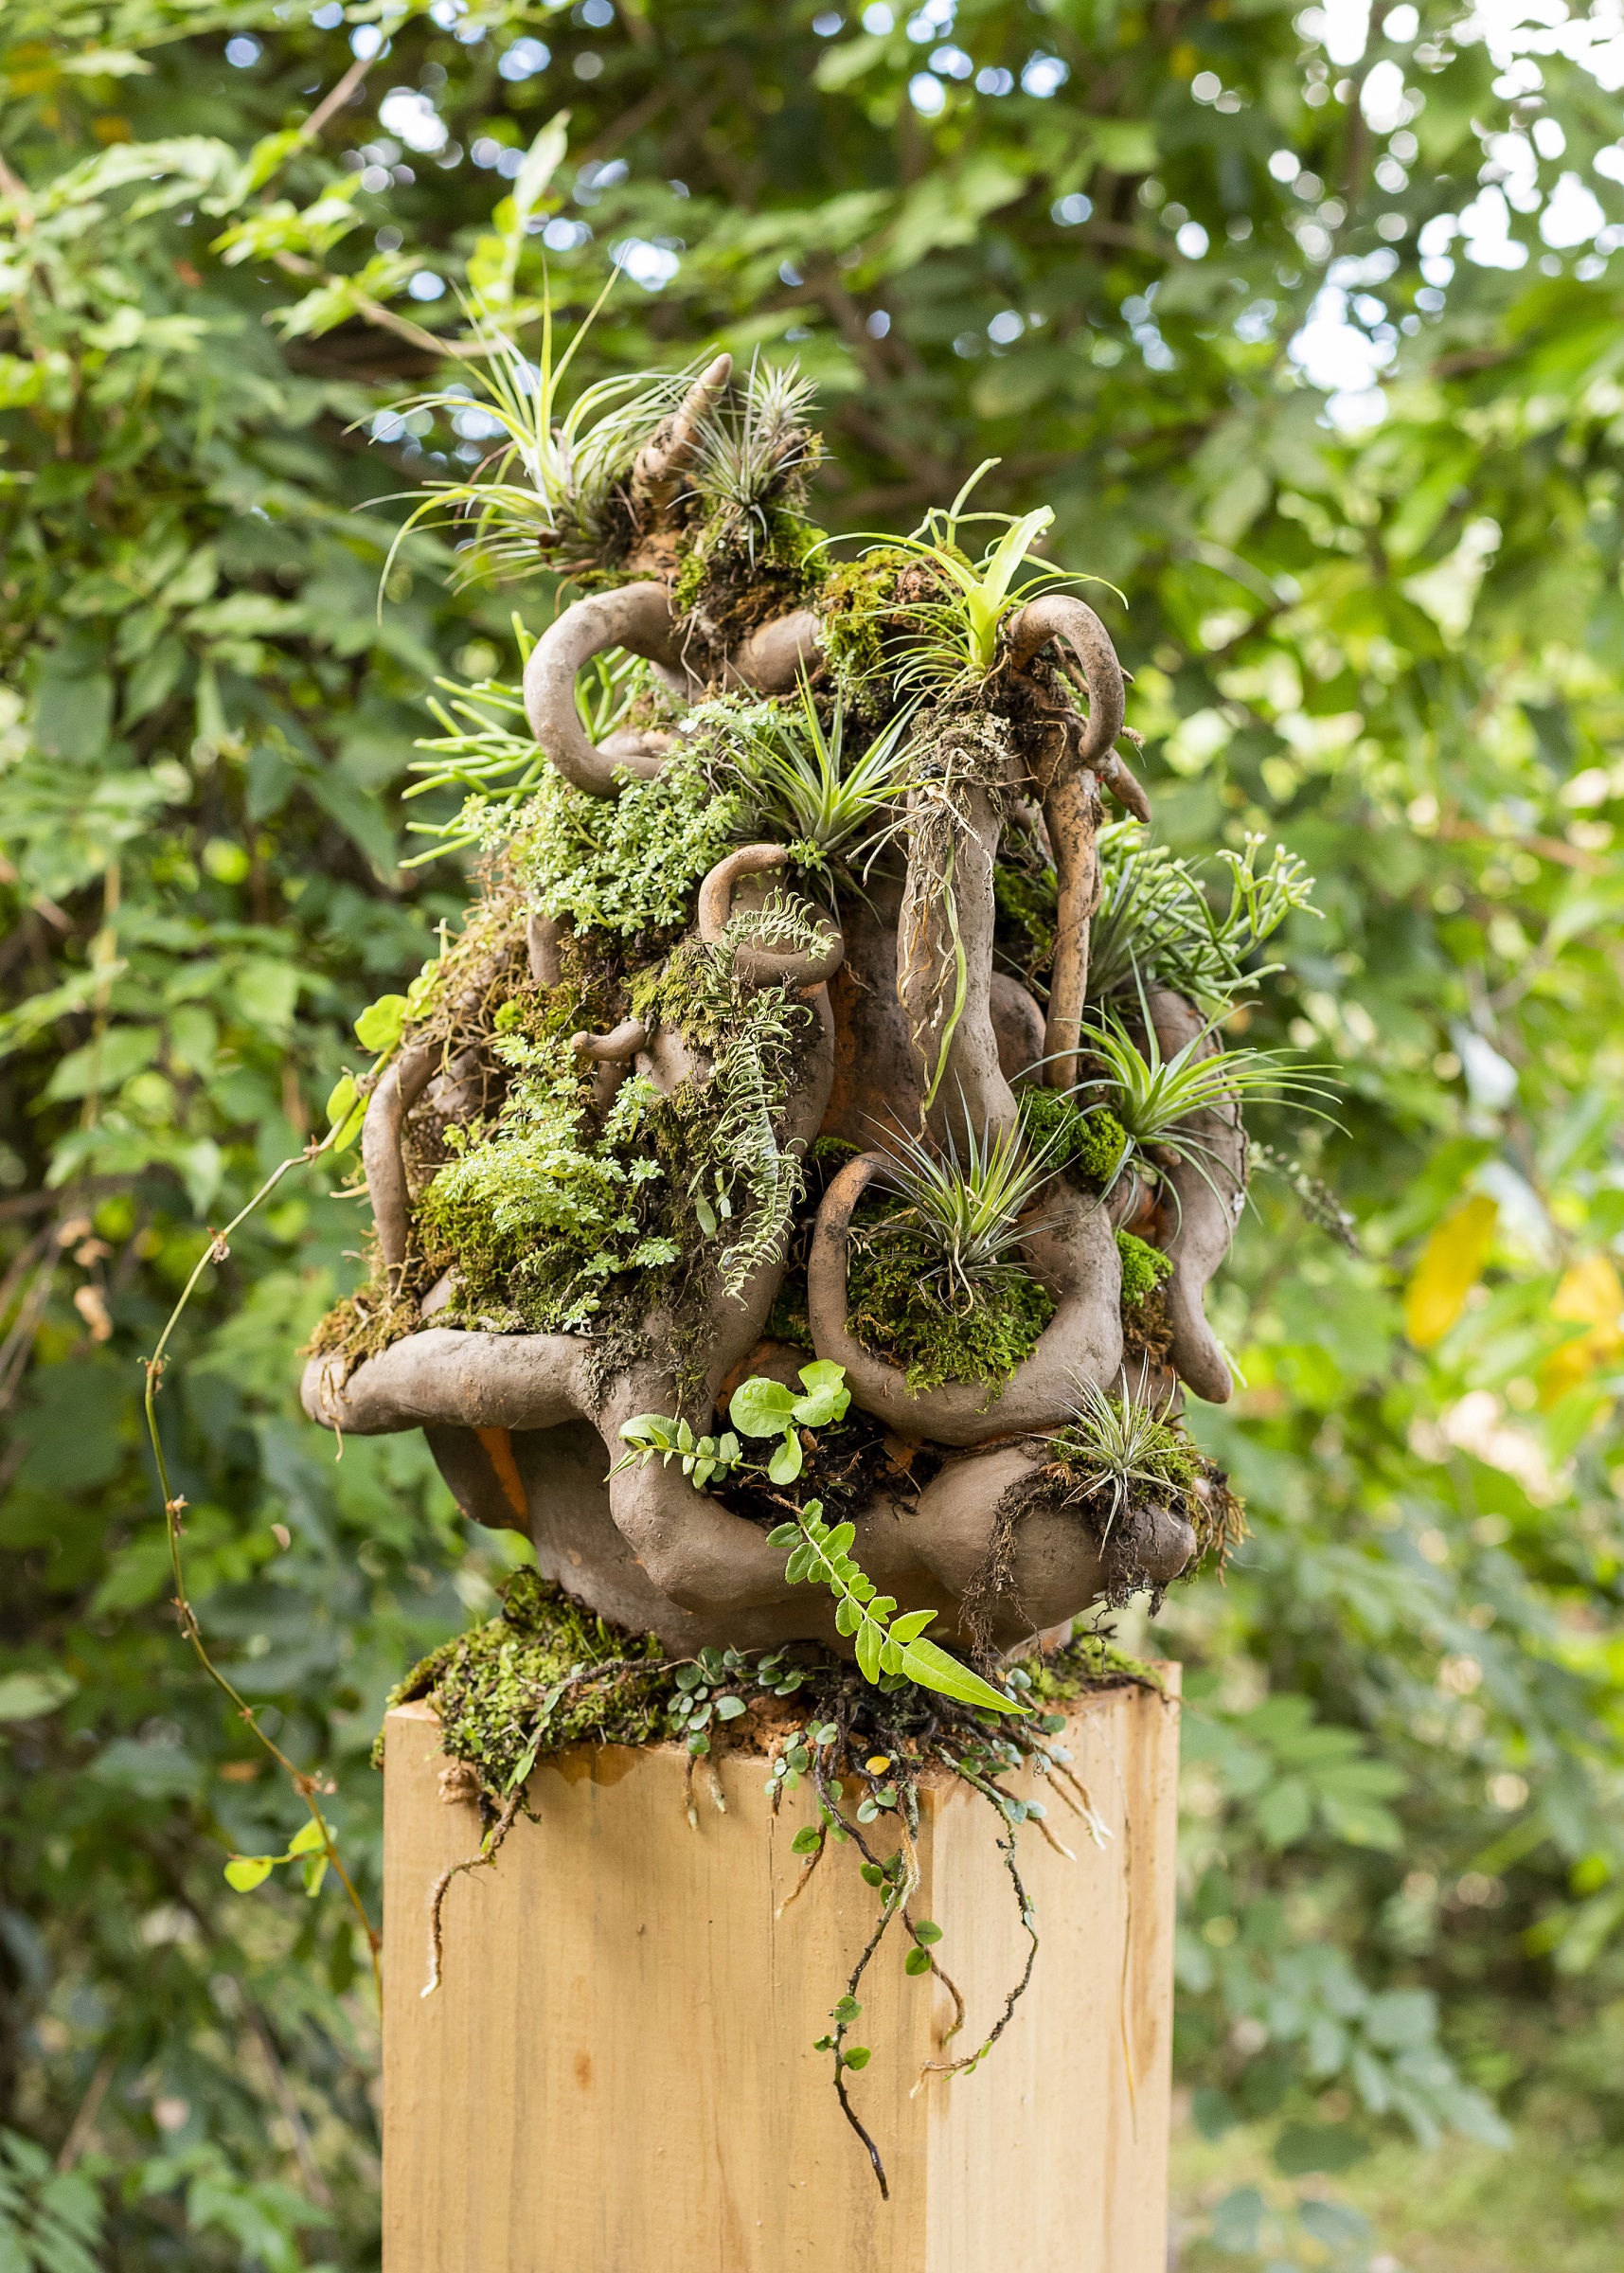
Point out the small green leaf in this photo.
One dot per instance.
(381, 1024)
(868, 1641)
(846, 2010)
(346, 1111)
(315, 1871)
(759, 1407)
(927, 1931)
(872, 1874)
(308, 1839)
(729, 1708)
(246, 1872)
(782, 1535)
(916, 1961)
(807, 1840)
(786, 1463)
(859, 2057)
(699, 1744)
(931, 1668)
(911, 1625)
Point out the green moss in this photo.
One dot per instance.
(492, 1687)
(1088, 1661)
(1090, 1142)
(632, 863)
(853, 603)
(892, 1312)
(1144, 1267)
(1026, 904)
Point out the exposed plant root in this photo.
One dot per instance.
(490, 1847)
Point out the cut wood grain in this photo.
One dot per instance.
(617, 2074)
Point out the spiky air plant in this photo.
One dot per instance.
(1118, 1444)
(750, 447)
(824, 799)
(1154, 925)
(965, 1209)
(1158, 1098)
(544, 486)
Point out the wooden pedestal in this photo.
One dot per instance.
(617, 2074)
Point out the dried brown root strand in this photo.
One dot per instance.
(488, 1848)
(1072, 815)
(1007, 1845)
(944, 966)
(760, 966)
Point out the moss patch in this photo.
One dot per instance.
(1089, 1142)
(892, 1311)
(1144, 1268)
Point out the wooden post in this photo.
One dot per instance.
(617, 2074)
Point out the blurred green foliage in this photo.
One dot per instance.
(1114, 244)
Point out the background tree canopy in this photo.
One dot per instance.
(1309, 329)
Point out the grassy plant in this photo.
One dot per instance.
(1155, 926)
(497, 763)
(809, 786)
(1155, 1099)
(1120, 1445)
(547, 480)
(966, 1208)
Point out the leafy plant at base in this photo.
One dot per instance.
(887, 1647)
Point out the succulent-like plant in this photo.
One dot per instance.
(965, 1209)
(824, 799)
(547, 479)
(1156, 1097)
(1154, 925)
(748, 449)
(955, 637)
(1116, 1444)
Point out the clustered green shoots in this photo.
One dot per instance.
(811, 788)
(1155, 926)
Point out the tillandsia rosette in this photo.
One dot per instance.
(796, 1186)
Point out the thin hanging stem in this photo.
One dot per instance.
(306, 1784)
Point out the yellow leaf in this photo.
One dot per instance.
(1589, 1296)
(1450, 1264)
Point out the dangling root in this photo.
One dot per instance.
(489, 1847)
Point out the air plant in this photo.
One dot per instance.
(749, 447)
(1118, 1444)
(957, 635)
(810, 787)
(1156, 1098)
(1155, 926)
(966, 1208)
(498, 763)
(548, 479)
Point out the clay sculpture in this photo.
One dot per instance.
(774, 1051)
